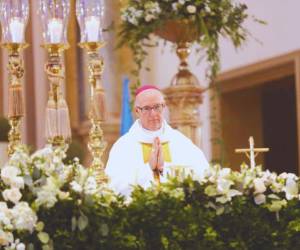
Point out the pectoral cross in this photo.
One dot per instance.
(252, 152)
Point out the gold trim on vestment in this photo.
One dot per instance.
(147, 148)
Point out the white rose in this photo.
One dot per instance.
(191, 9)
(17, 182)
(181, 1)
(13, 195)
(24, 218)
(8, 173)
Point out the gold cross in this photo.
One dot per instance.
(252, 152)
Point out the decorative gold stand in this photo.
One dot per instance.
(97, 112)
(58, 130)
(184, 95)
(15, 95)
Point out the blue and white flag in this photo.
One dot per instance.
(126, 115)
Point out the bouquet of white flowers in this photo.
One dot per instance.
(206, 19)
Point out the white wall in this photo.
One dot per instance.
(281, 35)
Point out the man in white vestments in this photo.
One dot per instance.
(151, 148)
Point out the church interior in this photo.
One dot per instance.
(254, 94)
(249, 79)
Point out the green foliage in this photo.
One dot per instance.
(4, 129)
(45, 204)
(154, 219)
(210, 19)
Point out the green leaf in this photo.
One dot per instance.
(39, 226)
(83, 221)
(74, 223)
(43, 237)
(104, 229)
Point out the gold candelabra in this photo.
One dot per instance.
(15, 93)
(58, 130)
(97, 111)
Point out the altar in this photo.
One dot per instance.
(61, 82)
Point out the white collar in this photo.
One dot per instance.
(147, 136)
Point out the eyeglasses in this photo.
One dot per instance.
(156, 108)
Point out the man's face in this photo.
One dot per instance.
(149, 107)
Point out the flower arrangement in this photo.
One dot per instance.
(208, 19)
(31, 184)
(46, 204)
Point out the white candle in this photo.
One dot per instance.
(16, 29)
(55, 30)
(92, 28)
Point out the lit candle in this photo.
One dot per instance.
(55, 30)
(92, 28)
(16, 29)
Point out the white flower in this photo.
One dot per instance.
(17, 182)
(276, 187)
(90, 186)
(181, 2)
(149, 17)
(46, 195)
(259, 186)
(191, 9)
(259, 199)
(8, 173)
(291, 188)
(223, 185)
(20, 246)
(138, 13)
(5, 215)
(24, 218)
(13, 195)
(5, 238)
(45, 152)
(17, 245)
(207, 8)
(76, 187)
(175, 6)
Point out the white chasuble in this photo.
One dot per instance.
(128, 162)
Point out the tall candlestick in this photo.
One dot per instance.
(16, 29)
(55, 30)
(92, 28)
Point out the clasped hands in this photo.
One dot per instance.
(156, 160)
